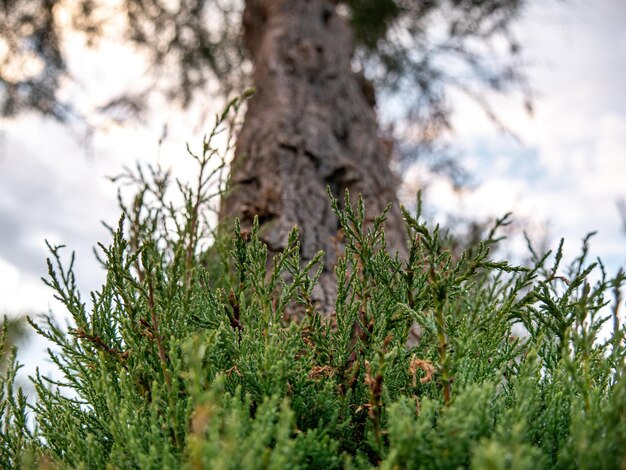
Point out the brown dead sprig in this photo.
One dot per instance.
(416, 364)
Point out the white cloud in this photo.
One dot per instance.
(20, 292)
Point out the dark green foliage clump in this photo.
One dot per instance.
(186, 358)
(370, 19)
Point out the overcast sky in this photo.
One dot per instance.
(568, 170)
(570, 166)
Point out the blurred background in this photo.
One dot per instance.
(560, 168)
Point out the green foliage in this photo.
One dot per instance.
(370, 19)
(188, 357)
(15, 332)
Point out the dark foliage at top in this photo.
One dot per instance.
(416, 49)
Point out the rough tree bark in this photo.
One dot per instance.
(311, 124)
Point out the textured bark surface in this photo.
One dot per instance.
(311, 124)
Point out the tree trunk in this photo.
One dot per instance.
(311, 124)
